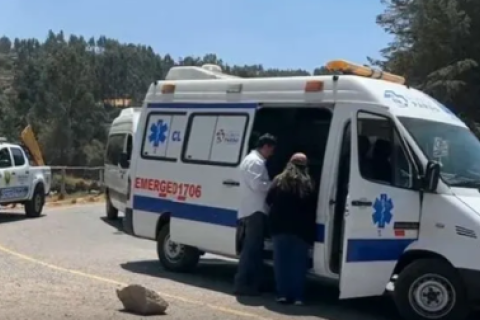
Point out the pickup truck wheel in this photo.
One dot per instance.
(174, 256)
(112, 212)
(34, 207)
(431, 289)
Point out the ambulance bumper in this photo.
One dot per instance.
(471, 279)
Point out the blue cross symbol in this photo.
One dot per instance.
(158, 133)
(382, 214)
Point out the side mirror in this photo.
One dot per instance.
(124, 161)
(432, 175)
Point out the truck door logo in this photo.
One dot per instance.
(382, 214)
(7, 177)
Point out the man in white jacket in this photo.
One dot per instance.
(254, 186)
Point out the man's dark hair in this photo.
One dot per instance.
(266, 140)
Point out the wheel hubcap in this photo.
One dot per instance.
(432, 296)
(173, 251)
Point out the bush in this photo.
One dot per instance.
(73, 184)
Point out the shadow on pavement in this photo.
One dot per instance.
(116, 224)
(6, 217)
(217, 275)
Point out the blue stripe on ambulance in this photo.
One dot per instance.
(358, 250)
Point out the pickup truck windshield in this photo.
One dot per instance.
(456, 148)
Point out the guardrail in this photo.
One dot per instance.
(72, 180)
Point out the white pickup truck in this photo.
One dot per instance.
(21, 183)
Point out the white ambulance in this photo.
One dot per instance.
(116, 170)
(410, 168)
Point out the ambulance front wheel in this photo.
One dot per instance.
(112, 212)
(174, 256)
(431, 289)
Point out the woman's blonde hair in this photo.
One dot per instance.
(295, 178)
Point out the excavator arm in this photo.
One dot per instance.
(31, 146)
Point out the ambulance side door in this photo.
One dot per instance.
(215, 142)
(113, 170)
(383, 212)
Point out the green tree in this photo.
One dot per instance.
(62, 87)
(436, 48)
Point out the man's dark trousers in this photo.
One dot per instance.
(248, 279)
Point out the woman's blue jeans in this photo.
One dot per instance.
(290, 257)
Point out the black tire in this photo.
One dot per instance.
(112, 212)
(437, 277)
(187, 258)
(34, 207)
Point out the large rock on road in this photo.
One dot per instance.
(142, 301)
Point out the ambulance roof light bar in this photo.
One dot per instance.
(363, 71)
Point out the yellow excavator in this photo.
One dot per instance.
(31, 146)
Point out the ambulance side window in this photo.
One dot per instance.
(215, 138)
(163, 136)
(129, 146)
(381, 154)
(114, 148)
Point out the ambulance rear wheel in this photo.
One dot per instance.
(174, 256)
(431, 289)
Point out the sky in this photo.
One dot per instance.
(278, 34)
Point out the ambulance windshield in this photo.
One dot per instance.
(455, 147)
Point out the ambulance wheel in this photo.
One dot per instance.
(34, 206)
(430, 289)
(112, 212)
(174, 256)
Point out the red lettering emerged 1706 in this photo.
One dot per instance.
(165, 188)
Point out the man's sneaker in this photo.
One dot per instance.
(298, 303)
(282, 300)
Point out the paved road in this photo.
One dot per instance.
(68, 263)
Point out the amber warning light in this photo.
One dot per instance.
(314, 86)
(363, 71)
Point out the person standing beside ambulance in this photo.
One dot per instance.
(292, 218)
(251, 226)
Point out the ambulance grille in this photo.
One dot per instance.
(462, 231)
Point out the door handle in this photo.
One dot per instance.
(14, 173)
(231, 183)
(361, 203)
